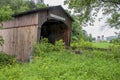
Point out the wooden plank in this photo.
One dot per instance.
(42, 18)
(19, 41)
(22, 21)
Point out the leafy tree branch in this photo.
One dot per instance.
(87, 10)
(112, 1)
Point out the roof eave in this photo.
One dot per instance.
(40, 9)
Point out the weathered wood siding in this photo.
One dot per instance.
(19, 41)
(42, 17)
(21, 21)
(19, 36)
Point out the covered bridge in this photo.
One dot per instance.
(27, 28)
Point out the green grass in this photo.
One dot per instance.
(84, 44)
(53, 62)
(64, 65)
(101, 44)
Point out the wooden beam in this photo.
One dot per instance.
(57, 17)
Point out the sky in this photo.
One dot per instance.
(55, 2)
(97, 30)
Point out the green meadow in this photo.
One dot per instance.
(56, 63)
(101, 44)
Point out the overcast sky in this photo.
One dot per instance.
(97, 30)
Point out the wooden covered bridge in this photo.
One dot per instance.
(27, 28)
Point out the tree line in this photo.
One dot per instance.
(9, 7)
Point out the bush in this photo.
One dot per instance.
(6, 59)
(44, 47)
(115, 41)
(1, 41)
(115, 51)
(82, 44)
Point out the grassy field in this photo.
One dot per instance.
(64, 65)
(102, 44)
(55, 63)
(84, 44)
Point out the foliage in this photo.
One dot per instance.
(24, 5)
(44, 47)
(114, 22)
(78, 32)
(1, 41)
(87, 10)
(58, 64)
(115, 51)
(6, 59)
(93, 65)
(112, 50)
(82, 44)
(104, 45)
(116, 41)
(9, 7)
(5, 13)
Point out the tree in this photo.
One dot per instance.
(22, 5)
(116, 40)
(5, 13)
(78, 33)
(87, 10)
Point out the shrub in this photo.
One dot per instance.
(82, 44)
(6, 59)
(115, 51)
(1, 41)
(116, 41)
(44, 47)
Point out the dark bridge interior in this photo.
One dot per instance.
(54, 30)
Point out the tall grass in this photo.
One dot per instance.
(57, 63)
